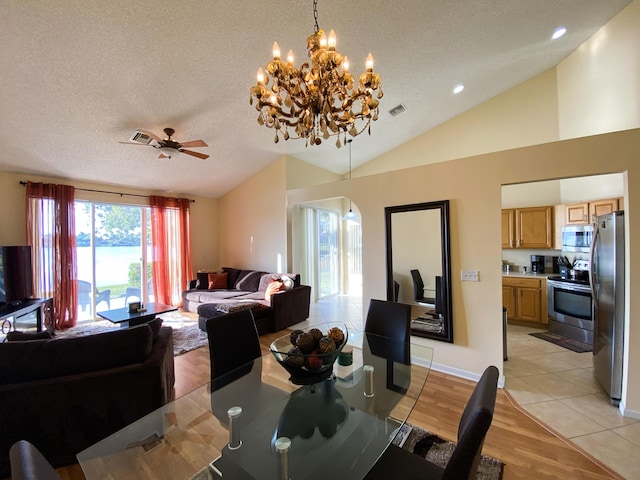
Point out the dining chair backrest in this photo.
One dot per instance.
(233, 342)
(474, 424)
(389, 319)
(27, 463)
(463, 463)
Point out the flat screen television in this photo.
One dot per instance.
(16, 274)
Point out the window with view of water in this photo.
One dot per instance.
(113, 244)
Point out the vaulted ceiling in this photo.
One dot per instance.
(78, 77)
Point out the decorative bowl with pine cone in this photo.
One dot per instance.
(309, 355)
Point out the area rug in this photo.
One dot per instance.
(570, 343)
(187, 335)
(438, 451)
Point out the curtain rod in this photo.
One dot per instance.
(24, 184)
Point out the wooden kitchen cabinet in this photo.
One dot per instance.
(585, 213)
(527, 227)
(602, 207)
(525, 299)
(534, 227)
(577, 214)
(508, 228)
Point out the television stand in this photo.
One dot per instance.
(21, 311)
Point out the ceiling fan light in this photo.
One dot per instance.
(169, 152)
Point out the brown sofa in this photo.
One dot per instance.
(63, 395)
(238, 289)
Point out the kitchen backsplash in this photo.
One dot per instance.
(522, 258)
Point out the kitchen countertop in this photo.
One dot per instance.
(527, 275)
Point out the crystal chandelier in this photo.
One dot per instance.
(317, 100)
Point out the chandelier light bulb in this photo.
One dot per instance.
(276, 51)
(369, 63)
(332, 40)
(345, 63)
(260, 76)
(323, 40)
(290, 57)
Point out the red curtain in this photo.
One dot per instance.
(171, 247)
(51, 234)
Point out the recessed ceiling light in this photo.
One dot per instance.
(458, 88)
(558, 32)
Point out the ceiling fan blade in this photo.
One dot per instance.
(195, 154)
(163, 156)
(134, 143)
(194, 143)
(152, 135)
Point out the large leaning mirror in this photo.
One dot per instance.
(418, 266)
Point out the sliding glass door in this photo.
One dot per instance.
(113, 245)
(328, 260)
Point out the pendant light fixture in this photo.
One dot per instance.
(350, 215)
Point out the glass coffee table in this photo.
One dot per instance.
(126, 319)
(257, 424)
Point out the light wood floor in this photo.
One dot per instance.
(528, 449)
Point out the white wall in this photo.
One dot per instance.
(253, 224)
(598, 83)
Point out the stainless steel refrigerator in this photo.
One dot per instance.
(607, 283)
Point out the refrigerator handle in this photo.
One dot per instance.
(592, 264)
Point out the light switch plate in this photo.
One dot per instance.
(469, 275)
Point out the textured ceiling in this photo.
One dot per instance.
(78, 77)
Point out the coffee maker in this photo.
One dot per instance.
(537, 263)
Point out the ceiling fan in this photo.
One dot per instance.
(168, 148)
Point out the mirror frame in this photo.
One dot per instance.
(443, 206)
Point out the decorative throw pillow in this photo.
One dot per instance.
(274, 287)
(217, 280)
(265, 280)
(18, 336)
(287, 282)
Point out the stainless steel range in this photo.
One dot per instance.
(571, 308)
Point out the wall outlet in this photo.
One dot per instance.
(469, 275)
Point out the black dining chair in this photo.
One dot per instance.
(236, 368)
(463, 464)
(27, 463)
(233, 343)
(418, 289)
(388, 332)
(389, 319)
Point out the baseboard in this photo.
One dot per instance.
(456, 372)
(628, 413)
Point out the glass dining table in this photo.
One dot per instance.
(254, 423)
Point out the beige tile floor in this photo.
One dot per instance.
(557, 386)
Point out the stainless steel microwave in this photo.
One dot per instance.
(577, 238)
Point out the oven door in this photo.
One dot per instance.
(570, 310)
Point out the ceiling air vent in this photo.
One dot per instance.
(140, 137)
(395, 111)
